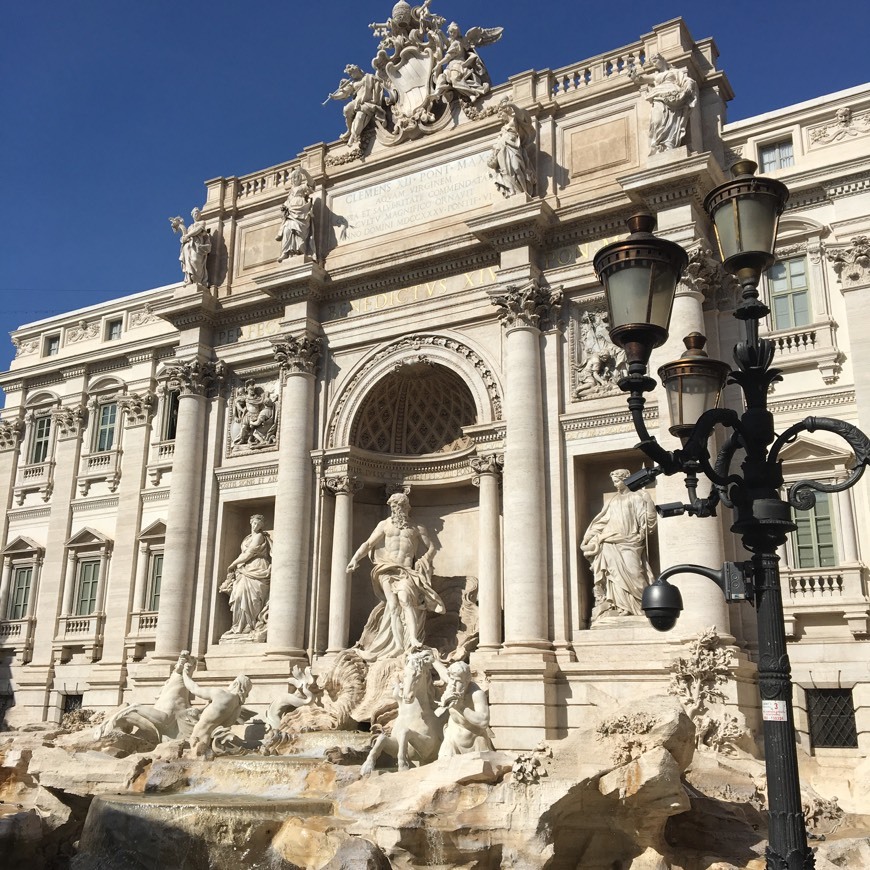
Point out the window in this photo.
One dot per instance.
(107, 415)
(21, 579)
(113, 330)
(832, 718)
(88, 580)
(171, 416)
(789, 293)
(814, 539)
(777, 155)
(52, 345)
(71, 703)
(40, 440)
(155, 573)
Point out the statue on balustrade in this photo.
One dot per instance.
(617, 546)
(195, 248)
(247, 584)
(671, 92)
(401, 580)
(467, 708)
(512, 156)
(366, 94)
(461, 69)
(297, 226)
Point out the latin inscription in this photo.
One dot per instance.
(248, 332)
(417, 198)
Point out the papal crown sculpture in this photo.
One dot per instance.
(419, 71)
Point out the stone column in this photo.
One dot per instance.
(522, 310)
(487, 471)
(290, 564)
(193, 381)
(344, 489)
(5, 585)
(141, 577)
(847, 527)
(68, 581)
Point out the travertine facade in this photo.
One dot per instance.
(428, 321)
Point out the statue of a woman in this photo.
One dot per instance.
(672, 92)
(296, 235)
(247, 582)
(195, 248)
(512, 154)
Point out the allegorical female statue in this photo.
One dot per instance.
(195, 248)
(247, 584)
(296, 234)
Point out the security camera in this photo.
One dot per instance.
(662, 603)
(671, 509)
(642, 478)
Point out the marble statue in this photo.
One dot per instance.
(460, 69)
(617, 546)
(366, 94)
(604, 364)
(297, 226)
(170, 717)
(402, 581)
(416, 730)
(467, 708)
(672, 92)
(512, 156)
(223, 710)
(195, 248)
(254, 422)
(247, 583)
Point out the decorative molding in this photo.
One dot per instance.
(252, 475)
(83, 331)
(575, 428)
(137, 408)
(25, 346)
(28, 514)
(706, 275)
(109, 502)
(534, 305)
(845, 126)
(11, 432)
(852, 264)
(155, 495)
(68, 420)
(808, 403)
(141, 317)
(297, 355)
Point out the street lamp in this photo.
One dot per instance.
(640, 276)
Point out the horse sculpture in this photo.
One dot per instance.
(416, 731)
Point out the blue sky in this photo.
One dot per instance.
(114, 113)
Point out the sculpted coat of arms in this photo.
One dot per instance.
(418, 71)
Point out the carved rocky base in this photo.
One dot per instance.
(256, 636)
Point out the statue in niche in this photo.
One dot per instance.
(254, 423)
(224, 709)
(617, 546)
(467, 708)
(366, 94)
(297, 227)
(195, 248)
(247, 584)
(603, 362)
(512, 154)
(671, 92)
(402, 581)
(460, 69)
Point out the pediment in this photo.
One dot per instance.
(800, 226)
(22, 544)
(807, 451)
(155, 531)
(88, 537)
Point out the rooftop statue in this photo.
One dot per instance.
(297, 226)
(617, 545)
(401, 580)
(247, 584)
(195, 248)
(418, 70)
(512, 157)
(672, 92)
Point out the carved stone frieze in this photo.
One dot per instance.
(68, 420)
(852, 264)
(142, 317)
(298, 355)
(597, 363)
(845, 126)
(536, 304)
(25, 346)
(10, 433)
(253, 417)
(344, 485)
(83, 331)
(194, 377)
(137, 407)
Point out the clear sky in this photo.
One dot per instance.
(114, 113)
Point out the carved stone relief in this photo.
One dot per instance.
(83, 331)
(852, 264)
(845, 126)
(23, 347)
(253, 415)
(598, 363)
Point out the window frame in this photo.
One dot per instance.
(38, 418)
(811, 519)
(51, 344)
(776, 144)
(789, 294)
(14, 588)
(94, 586)
(111, 324)
(155, 567)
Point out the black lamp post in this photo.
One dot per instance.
(640, 277)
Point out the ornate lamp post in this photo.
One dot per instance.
(640, 277)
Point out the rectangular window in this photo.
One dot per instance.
(106, 421)
(814, 539)
(154, 575)
(41, 439)
(789, 293)
(20, 592)
(777, 155)
(89, 578)
(832, 718)
(170, 416)
(113, 330)
(52, 345)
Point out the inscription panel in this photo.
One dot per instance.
(414, 199)
(600, 146)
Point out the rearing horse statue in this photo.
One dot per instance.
(416, 731)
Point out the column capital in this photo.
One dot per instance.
(137, 408)
(534, 304)
(192, 377)
(342, 485)
(10, 433)
(297, 354)
(68, 420)
(706, 276)
(491, 464)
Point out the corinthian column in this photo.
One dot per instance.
(487, 471)
(193, 380)
(526, 624)
(344, 489)
(288, 595)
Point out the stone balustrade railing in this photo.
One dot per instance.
(570, 79)
(841, 590)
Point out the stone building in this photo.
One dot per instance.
(428, 321)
